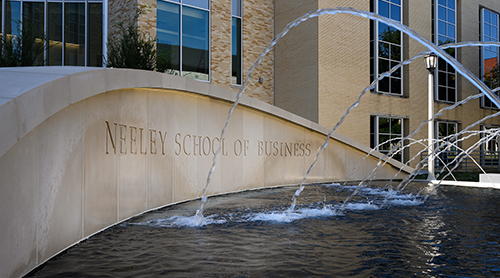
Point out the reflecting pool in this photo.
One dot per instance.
(454, 233)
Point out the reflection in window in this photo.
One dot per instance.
(54, 34)
(387, 46)
(168, 32)
(446, 142)
(73, 29)
(445, 32)
(183, 31)
(236, 43)
(33, 17)
(195, 43)
(490, 54)
(94, 35)
(491, 149)
(12, 17)
(74, 34)
(386, 134)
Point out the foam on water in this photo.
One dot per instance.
(183, 221)
(361, 206)
(406, 202)
(374, 196)
(287, 216)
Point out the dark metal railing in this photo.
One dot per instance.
(485, 159)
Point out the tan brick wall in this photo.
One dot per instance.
(344, 55)
(258, 31)
(344, 70)
(221, 43)
(146, 20)
(120, 11)
(296, 60)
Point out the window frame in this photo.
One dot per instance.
(239, 4)
(375, 57)
(438, 137)
(436, 35)
(209, 31)
(375, 134)
(45, 24)
(490, 157)
(485, 102)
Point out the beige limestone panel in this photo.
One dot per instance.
(273, 150)
(50, 101)
(101, 161)
(86, 84)
(160, 156)
(318, 172)
(60, 181)
(8, 122)
(174, 82)
(253, 165)
(211, 119)
(186, 182)
(19, 206)
(133, 145)
(11, 87)
(295, 166)
(122, 78)
(335, 156)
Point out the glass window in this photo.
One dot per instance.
(54, 34)
(490, 150)
(204, 4)
(388, 42)
(195, 43)
(490, 54)
(73, 29)
(94, 35)
(446, 146)
(236, 43)
(168, 32)
(12, 17)
(386, 134)
(33, 18)
(74, 34)
(183, 31)
(444, 33)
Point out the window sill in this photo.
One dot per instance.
(388, 94)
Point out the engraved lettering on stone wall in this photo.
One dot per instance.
(135, 140)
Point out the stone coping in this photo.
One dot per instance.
(30, 95)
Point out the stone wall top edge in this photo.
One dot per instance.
(116, 79)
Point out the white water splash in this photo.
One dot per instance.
(361, 206)
(182, 221)
(287, 217)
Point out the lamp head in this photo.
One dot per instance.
(430, 61)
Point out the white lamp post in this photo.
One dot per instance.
(430, 64)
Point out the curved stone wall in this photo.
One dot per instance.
(82, 149)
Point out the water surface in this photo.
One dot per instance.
(455, 233)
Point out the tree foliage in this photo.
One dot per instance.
(492, 78)
(135, 49)
(132, 49)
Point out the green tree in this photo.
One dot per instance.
(492, 78)
(135, 49)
